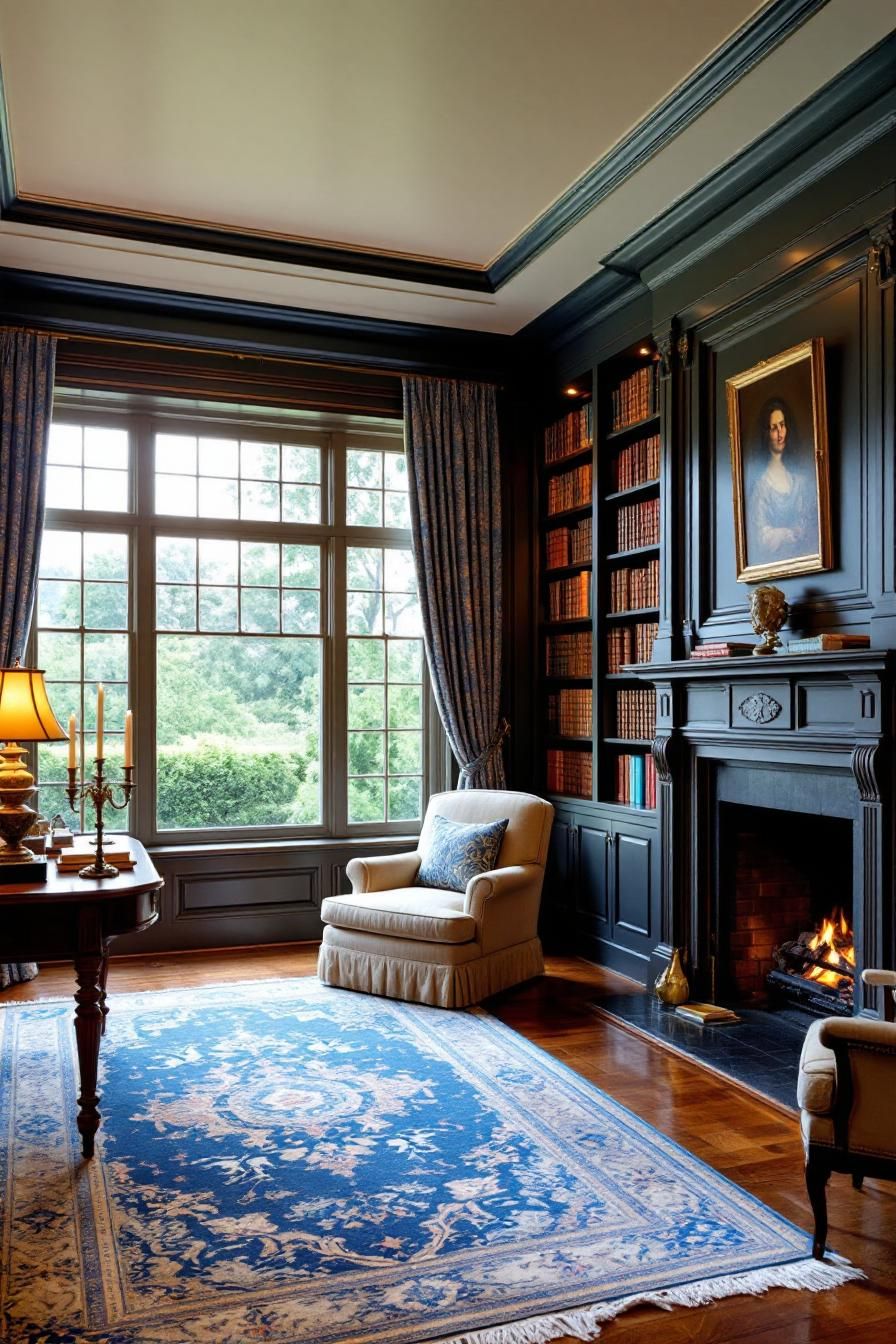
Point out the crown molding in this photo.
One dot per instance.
(745, 49)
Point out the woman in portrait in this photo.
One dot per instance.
(782, 510)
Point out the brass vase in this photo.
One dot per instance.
(672, 985)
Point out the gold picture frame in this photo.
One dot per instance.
(780, 467)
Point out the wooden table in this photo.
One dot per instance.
(72, 918)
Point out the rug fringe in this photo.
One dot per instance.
(585, 1322)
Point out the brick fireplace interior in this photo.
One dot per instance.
(780, 875)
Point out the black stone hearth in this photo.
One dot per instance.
(761, 1052)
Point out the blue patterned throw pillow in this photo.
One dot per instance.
(458, 852)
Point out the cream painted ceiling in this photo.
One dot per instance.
(431, 128)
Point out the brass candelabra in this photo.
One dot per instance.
(99, 791)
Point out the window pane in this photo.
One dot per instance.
(219, 561)
(366, 707)
(60, 657)
(405, 707)
(218, 609)
(106, 448)
(301, 566)
(65, 445)
(395, 473)
(176, 559)
(405, 753)
(397, 510)
(175, 608)
(260, 610)
(58, 602)
(400, 576)
(363, 468)
(301, 612)
(405, 799)
(301, 464)
(366, 660)
(106, 606)
(218, 498)
(219, 457)
(176, 495)
(364, 614)
(364, 508)
(366, 800)
(105, 555)
(405, 660)
(366, 753)
(260, 461)
(301, 503)
(402, 614)
(63, 488)
(176, 453)
(105, 657)
(238, 731)
(365, 567)
(260, 563)
(107, 490)
(260, 501)
(60, 555)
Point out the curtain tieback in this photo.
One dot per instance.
(469, 771)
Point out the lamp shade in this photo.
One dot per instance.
(25, 713)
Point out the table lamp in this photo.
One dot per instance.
(24, 713)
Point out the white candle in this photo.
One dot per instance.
(72, 739)
(128, 739)
(100, 701)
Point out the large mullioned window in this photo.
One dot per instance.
(249, 593)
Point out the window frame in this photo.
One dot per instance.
(333, 435)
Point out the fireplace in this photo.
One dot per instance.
(776, 808)
(784, 934)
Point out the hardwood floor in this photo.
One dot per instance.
(753, 1144)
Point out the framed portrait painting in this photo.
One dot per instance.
(780, 467)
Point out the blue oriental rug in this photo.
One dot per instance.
(290, 1163)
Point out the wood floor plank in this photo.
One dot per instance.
(753, 1144)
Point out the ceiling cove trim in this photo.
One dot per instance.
(720, 72)
(706, 85)
(855, 110)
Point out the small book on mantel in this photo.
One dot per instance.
(706, 1014)
(828, 643)
(724, 649)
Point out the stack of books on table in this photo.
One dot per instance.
(81, 854)
(828, 643)
(706, 1014)
(722, 649)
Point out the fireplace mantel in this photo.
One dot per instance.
(810, 723)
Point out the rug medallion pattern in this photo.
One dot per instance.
(291, 1163)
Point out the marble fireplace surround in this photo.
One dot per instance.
(807, 733)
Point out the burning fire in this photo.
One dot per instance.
(834, 944)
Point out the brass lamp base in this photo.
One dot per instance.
(98, 870)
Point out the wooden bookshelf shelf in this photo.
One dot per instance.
(638, 550)
(632, 614)
(628, 741)
(633, 491)
(579, 511)
(627, 431)
(559, 570)
(580, 455)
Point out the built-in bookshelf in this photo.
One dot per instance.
(567, 636)
(627, 571)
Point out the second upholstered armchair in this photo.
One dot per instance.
(452, 942)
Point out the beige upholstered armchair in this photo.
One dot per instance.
(430, 945)
(847, 1096)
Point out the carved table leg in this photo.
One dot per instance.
(89, 1022)
(101, 982)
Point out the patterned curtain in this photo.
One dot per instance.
(27, 363)
(451, 436)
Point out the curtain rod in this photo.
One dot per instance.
(233, 354)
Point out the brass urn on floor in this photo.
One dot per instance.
(672, 985)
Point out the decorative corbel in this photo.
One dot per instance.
(882, 254)
(864, 764)
(665, 345)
